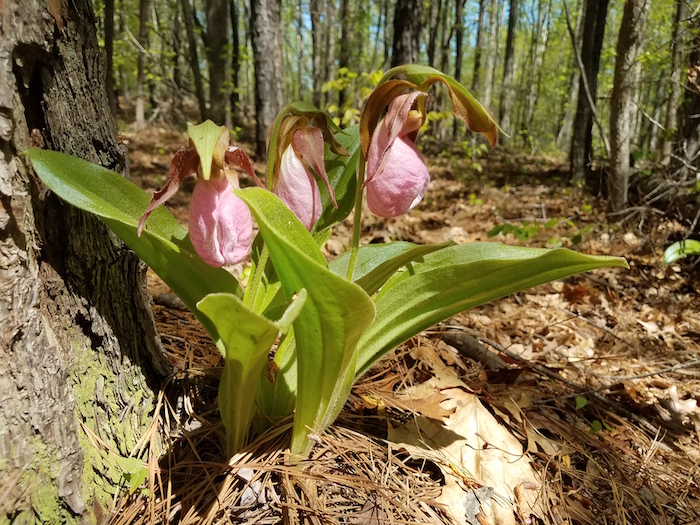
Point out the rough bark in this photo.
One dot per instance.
(217, 56)
(177, 70)
(109, 55)
(505, 107)
(317, 50)
(629, 43)
(407, 24)
(345, 43)
(674, 85)
(141, 65)
(77, 340)
(594, 13)
(266, 31)
(188, 17)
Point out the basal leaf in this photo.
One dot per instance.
(334, 317)
(164, 244)
(456, 278)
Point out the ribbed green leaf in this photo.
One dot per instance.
(456, 278)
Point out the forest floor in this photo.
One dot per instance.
(601, 387)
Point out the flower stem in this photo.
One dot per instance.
(357, 221)
(251, 292)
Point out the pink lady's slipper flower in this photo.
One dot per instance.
(397, 176)
(220, 223)
(296, 185)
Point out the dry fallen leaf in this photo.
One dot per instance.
(473, 445)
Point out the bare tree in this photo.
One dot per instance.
(505, 108)
(538, 47)
(188, 17)
(77, 338)
(217, 56)
(141, 66)
(491, 51)
(629, 43)
(235, 99)
(317, 50)
(478, 49)
(266, 29)
(433, 29)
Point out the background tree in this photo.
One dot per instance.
(266, 31)
(141, 74)
(628, 46)
(217, 53)
(188, 17)
(593, 24)
(505, 108)
(407, 24)
(78, 344)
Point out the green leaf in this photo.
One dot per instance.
(341, 170)
(581, 402)
(681, 249)
(247, 337)
(164, 245)
(329, 326)
(378, 262)
(456, 278)
(210, 141)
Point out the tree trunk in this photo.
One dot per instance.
(317, 50)
(407, 23)
(109, 55)
(537, 51)
(344, 56)
(446, 32)
(433, 29)
(300, 52)
(78, 345)
(688, 121)
(476, 86)
(141, 65)
(266, 29)
(674, 85)
(505, 108)
(188, 17)
(177, 70)
(459, 42)
(629, 43)
(491, 50)
(235, 99)
(330, 45)
(571, 94)
(594, 13)
(217, 42)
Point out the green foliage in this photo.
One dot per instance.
(681, 249)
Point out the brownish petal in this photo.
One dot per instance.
(184, 163)
(239, 158)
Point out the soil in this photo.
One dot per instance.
(603, 368)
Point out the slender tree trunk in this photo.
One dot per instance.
(459, 42)
(345, 43)
(177, 70)
(491, 50)
(317, 50)
(80, 355)
(407, 24)
(141, 65)
(505, 108)
(629, 43)
(478, 49)
(109, 55)
(689, 111)
(537, 51)
(387, 34)
(235, 99)
(266, 28)
(595, 13)
(446, 32)
(330, 45)
(572, 94)
(674, 86)
(217, 40)
(433, 30)
(188, 17)
(300, 52)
